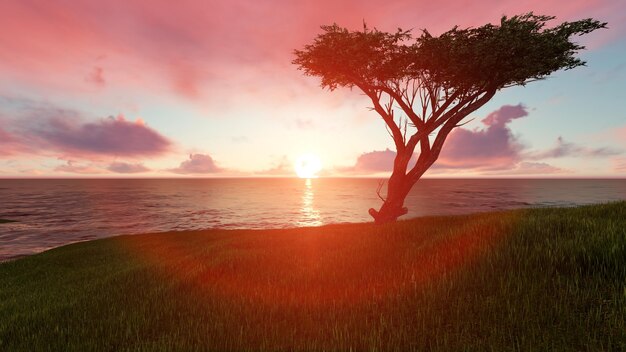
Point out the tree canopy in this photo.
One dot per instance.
(518, 50)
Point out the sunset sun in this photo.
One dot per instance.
(307, 166)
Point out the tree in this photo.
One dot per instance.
(431, 83)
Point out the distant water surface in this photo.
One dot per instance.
(51, 213)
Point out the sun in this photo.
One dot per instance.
(307, 166)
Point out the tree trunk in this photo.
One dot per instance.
(400, 184)
(393, 206)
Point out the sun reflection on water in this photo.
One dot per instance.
(309, 215)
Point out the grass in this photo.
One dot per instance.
(538, 279)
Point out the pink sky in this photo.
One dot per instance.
(206, 88)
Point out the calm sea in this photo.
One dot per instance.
(51, 213)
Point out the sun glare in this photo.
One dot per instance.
(307, 166)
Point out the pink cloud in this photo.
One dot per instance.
(492, 147)
(71, 167)
(531, 168)
(619, 164)
(127, 168)
(304, 124)
(619, 134)
(192, 44)
(491, 150)
(5, 137)
(377, 161)
(281, 168)
(96, 77)
(10, 144)
(197, 164)
(7, 143)
(565, 149)
(373, 162)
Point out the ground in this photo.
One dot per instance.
(536, 279)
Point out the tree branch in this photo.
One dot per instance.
(419, 123)
(449, 125)
(391, 124)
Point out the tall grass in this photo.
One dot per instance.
(540, 279)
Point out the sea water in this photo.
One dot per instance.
(50, 213)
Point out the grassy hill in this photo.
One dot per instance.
(539, 279)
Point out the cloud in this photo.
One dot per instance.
(10, 145)
(42, 128)
(304, 124)
(489, 148)
(493, 149)
(565, 149)
(382, 161)
(620, 133)
(372, 162)
(5, 137)
(197, 164)
(96, 77)
(619, 164)
(186, 79)
(531, 168)
(186, 46)
(281, 168)
(127, 168)
(108, 136)
(71, 167)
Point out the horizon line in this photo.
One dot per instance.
(495, 177)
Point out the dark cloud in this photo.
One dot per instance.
(127, 168)
(489, 148)
(109, 136)
(41, 128)
(197, 164)
(565, 149)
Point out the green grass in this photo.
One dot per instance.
(527, 280)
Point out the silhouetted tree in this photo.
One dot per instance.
(436, 81)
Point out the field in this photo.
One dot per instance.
(536, 279)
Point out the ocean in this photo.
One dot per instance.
(51, 213)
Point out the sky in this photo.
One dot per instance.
(145, 88)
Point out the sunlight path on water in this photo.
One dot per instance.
(310, 216)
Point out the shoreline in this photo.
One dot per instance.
(208, 230)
